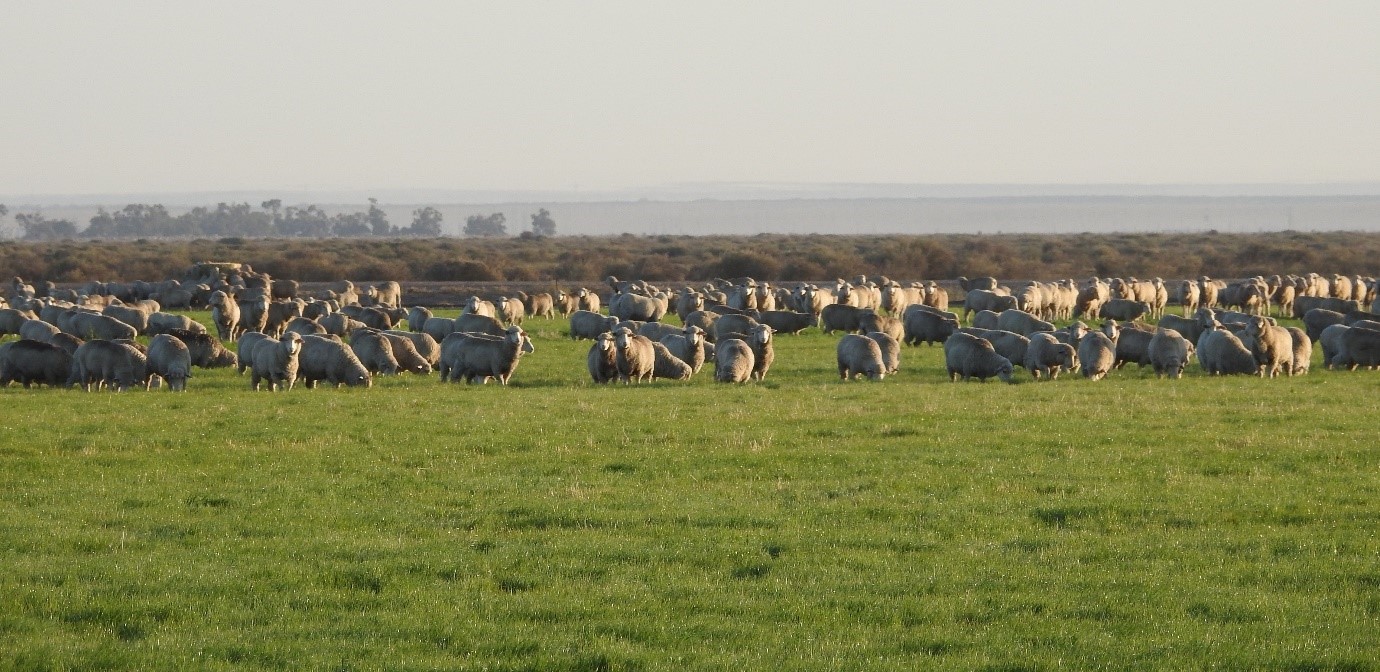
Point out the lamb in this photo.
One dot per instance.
(1271, 345)
(1220, 352)
(106, 363)
(277, 362)
(601, 362)
(589, 324)
(1046, 356)
(967, 356)
(667, 365)
(1096, 355)
(634, 356)
(375, 351)
(788, 322)
(733, 361)
(1169, 352)
(28, 361)
(328, 358)
(860, 356)
(1021, 322)
(688, 346)
(169, 359)
(891, 350)
(479, 357)
(928, 326)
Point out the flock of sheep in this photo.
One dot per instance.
(348, 335)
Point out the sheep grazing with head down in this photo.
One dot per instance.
(1169, 352)
(327, 358)
(27, 362)
(860, 356)
(589, 324)
(1220, 352)
(1097, 353)
(475, 358)
(1046, 357)
(375, 351)
(733, 361)
(113, 365)
(667, 365)
(276, 362)
(891, 350)
(967, 356)
(169, 359)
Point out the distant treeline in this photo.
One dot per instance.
(691, 258)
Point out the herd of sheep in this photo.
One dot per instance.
(347, 335)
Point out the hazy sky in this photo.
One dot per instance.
(116, 97)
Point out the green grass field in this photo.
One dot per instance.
(801, 523)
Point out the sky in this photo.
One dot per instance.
(124, 97)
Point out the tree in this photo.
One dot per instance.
(485, 225)
(426, 222)
(273, 206)
(378, 220)
(542, 224)
(38, 227)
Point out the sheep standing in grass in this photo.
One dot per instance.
(924, 325)
(860, 356)
(733, 361)
(27, 362)
(169, 359)
(276, 362)
(667, 365)
(1046, 357)
(1272, 346)
(603, 367)
(1169, 352)
(891, 350)
(1220, 352)
(761, 339)
(475, 358)
(113, 365)
(688, 347)
(634, 356)
(1096, 355)
(588, 324)
(327, 358)
(967, 356)
(375, 351)
(1303, 352)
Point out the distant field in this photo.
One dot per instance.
(800, 523)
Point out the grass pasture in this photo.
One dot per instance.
(802, 523)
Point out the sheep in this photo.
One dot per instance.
(416, 317)
(38, 330)
(1021, 322)
(133, 316)
(1317, 319)
(733, 361)
(169, 359)
(248, 341)
(1220, 352)
(601, 362)
(100, 327)
(1272, 346)
(634, 325)
(511, 310)
(1362, 346)
(477, 306)
(587, 300)
(589, 324)
(1008, 344)
(732, 324)
(763, 351)
(860, 356)
(667, 365)
(479, 357)
(375, 351)
(28, 361)
(106, 363)
(1303, 352)
(276, 361)
(438, 328)
(1133, 345)
(279, 314)
(67, 342)
(688, 346)
(1188, 327)
(1334, 348)
(480, 324)
(657, 330)
(704, 319)
(986, 319)
(967, 356)
(891, 350)
(842, 317)
(1169, 352)
(891, 326)
(404, 351)
(315, 310)
(162, 323)
(304, 326)
(566, 303)
(205, 350)
(929, 326)
(788, 322)
(339, 324)
(634, 356)
(387, 293)
(1125, 310)
(1046, 356)
(1303, 304)
(541, 304)
(1096, 355)
(424, 344)
(328, 358)
(985, 299)
(380, 318)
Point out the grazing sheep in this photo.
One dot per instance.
(891, 326)
(375, 317)
(1133, 345)
(1220, 352)
(480, 324)
(116, 366)
(28, 361)
(416, 317)
(1096, 355)
(1022, 322)
(986, 299)
(326, 358)
(404, 351)
(475, 358)
(1271, 345)
(602, 365)
(339, 324)
(733, 361)
(304, 326)
(1303, 352)
(1125, 310)
(438, 328)
(732, 324)
(634, 356)
(95, 326)
(169, 359)
(38, 330)
(860, 356)
(1046, 356)
(1334, 348)
(541, 304)
(967, 356)
(842, 317)
(162, 323)
(248, 341)
(667, 365)
(1169, 352)
(788, 322)
(705, 320)
(424, 344)
(278, 362)
(891, 350)
(589, 324)
(133, 316)
(1317, 319)
(1362, 346)
(657, 330)
(986, 319)
(688, 346)
(67, 342)
(1303, 304)
(375, 351)
(928, 326)
(1188, 327)
(204, 349)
